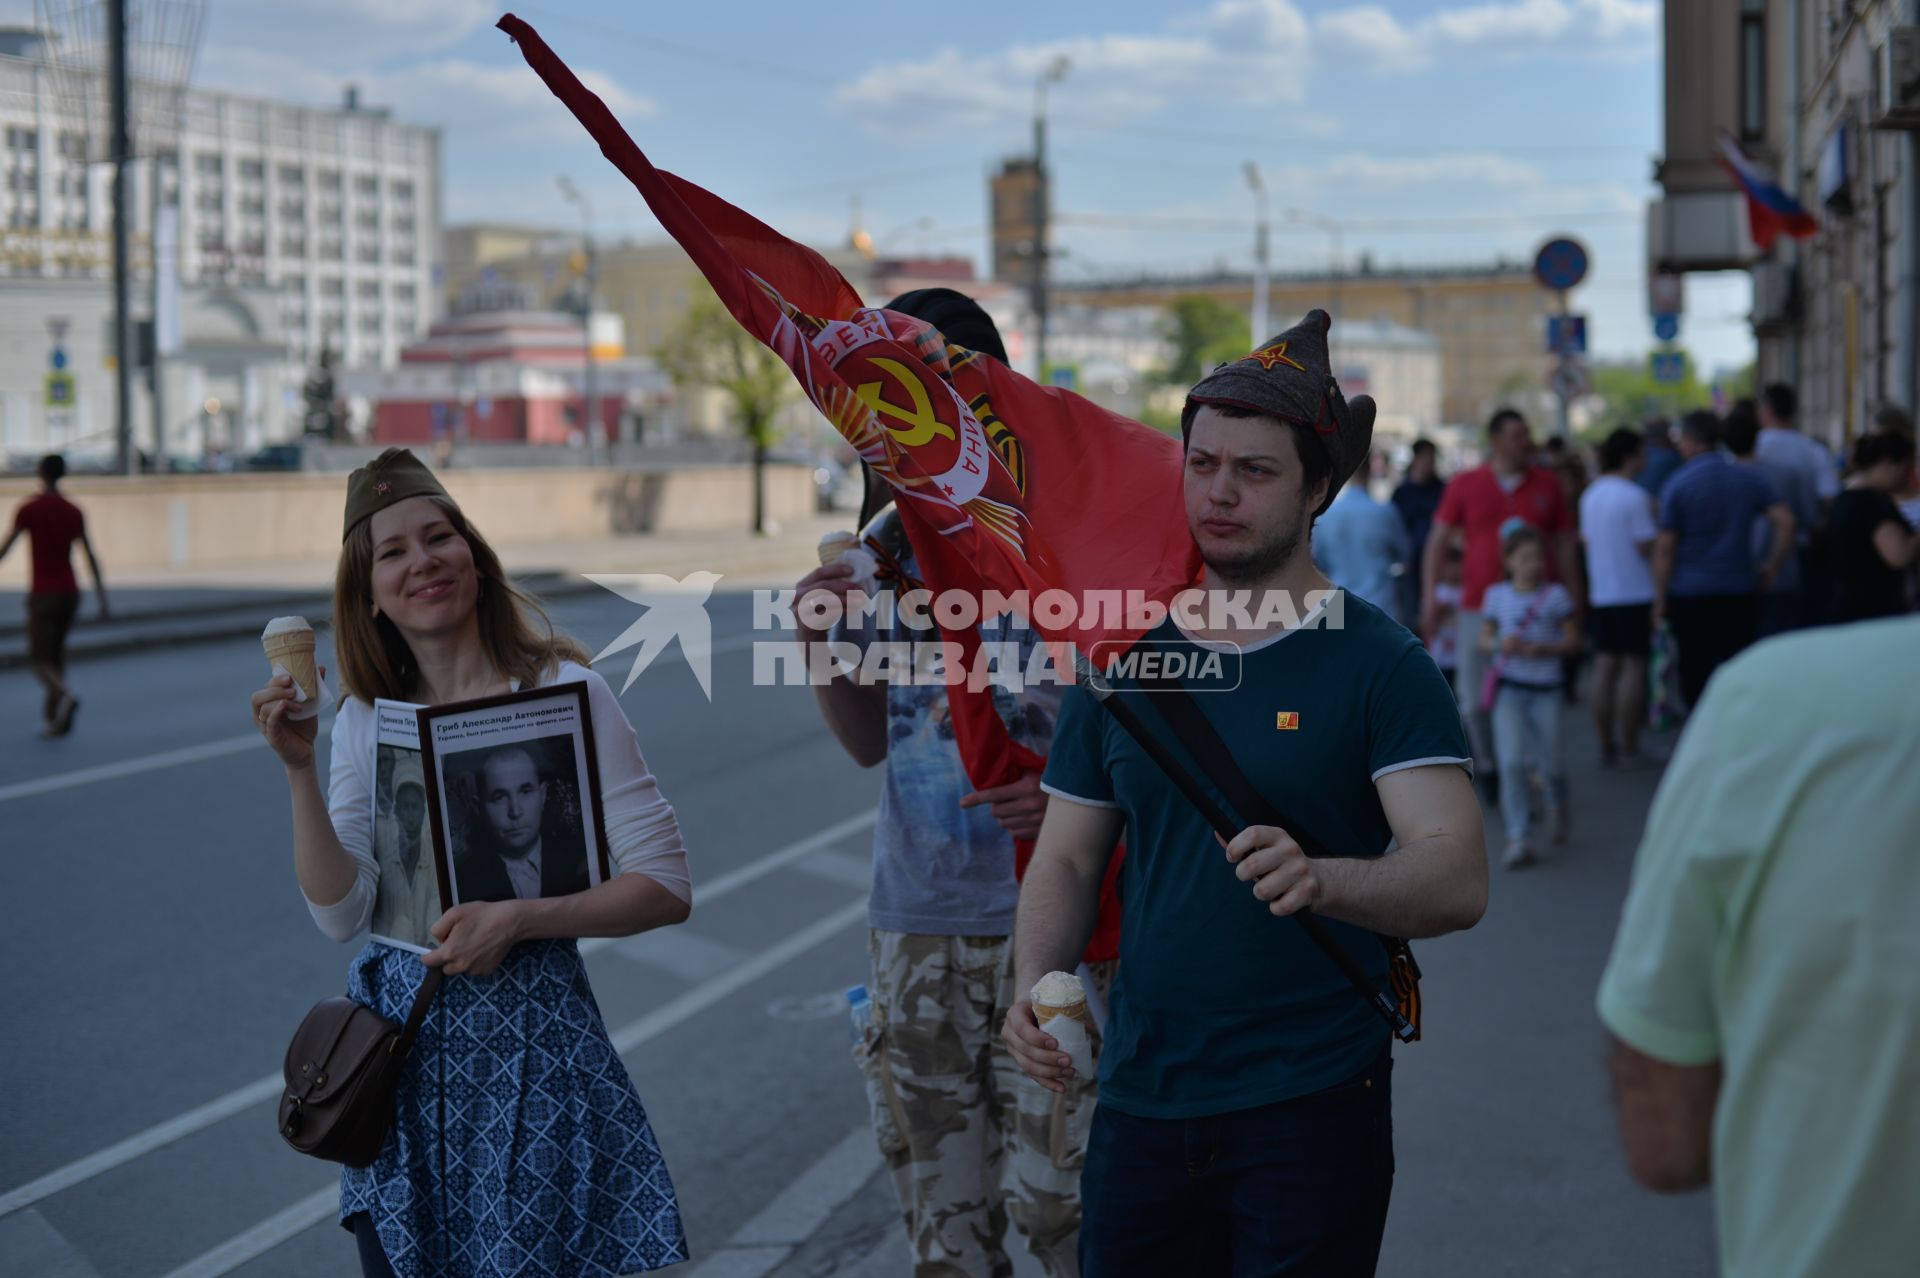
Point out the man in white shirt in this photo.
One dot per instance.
(1617, 527)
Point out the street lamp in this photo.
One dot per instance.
(1332, 228)
(1262, 311)
(590, 402)
(1056, 71)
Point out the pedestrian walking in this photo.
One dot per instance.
(1477, 504)
(1443, 643)
(1617, 528)
(1704, 579)
(1783, 450)
(1245, 1117)
(969, 1142)
(1761, 993)
(52, 526)
(1662, 458)
(1417, 498)
(1363, 547)
(1870, 543)
(518, 1145)
(1529, 626)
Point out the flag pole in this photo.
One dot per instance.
(1227, 828)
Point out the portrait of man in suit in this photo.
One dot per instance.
(522, 838)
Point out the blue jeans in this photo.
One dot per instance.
(1297, 1188)
(1526, 737)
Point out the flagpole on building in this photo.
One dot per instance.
(122, 282)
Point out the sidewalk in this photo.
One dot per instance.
(159, 609)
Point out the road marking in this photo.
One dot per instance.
(324, 1204)
(765, 1242)
(269, 1088)
(235, 745)
(29, 1244)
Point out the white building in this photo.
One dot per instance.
(1399, 367)
(322, 226)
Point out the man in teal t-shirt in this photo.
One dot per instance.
(1244, 1122)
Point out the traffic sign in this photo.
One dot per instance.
(1666, 326)
(58, 359)
(1665, 294)
(1561, 264)
(1571, 380)
(1668, 367)
(57, 328)
(59, 390)
(1566, 335)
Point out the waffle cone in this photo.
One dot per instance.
(294, 653)
(1044, 1012)
(832, 549)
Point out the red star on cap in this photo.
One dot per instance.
(382, 487)
(1276, 354)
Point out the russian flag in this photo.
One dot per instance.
(1770, 210)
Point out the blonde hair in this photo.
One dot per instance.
(374, 659)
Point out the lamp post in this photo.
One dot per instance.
(1332, 228)
(1262, 318)
(589, 399)
(1056, 71)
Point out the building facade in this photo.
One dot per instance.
(1826, 94)
(323, 224)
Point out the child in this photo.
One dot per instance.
(1530, 627)
(1446, 597)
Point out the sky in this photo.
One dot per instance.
(1435, 132)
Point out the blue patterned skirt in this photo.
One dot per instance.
(519, 1146)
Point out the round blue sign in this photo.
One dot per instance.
(1666, 327)
(1561, 264)
(59, 359)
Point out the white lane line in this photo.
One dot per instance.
(321, 1206)
(235, 745)
(798, 1211)
(265, 1089)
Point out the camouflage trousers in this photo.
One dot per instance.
(970, 1142)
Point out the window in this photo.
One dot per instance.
(207, 164)
(207, 201)
(403, 226)
(23, 139)
(368, 255)
(292, 175)
(367, 290)
(293, 246)
(74, 146)
(333, 286)
(1753, 70)
(295, 284)
(403, 292)
(367, 220)
(331, 250)
(253, 170)
(403, 191)
(329, 179)
(293, 210)
(254, 205)
(403, 257)
(329, 214)
(366, 185)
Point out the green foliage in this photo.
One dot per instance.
(1203, 331)
(1632, 395)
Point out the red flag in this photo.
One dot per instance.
(1001, 484)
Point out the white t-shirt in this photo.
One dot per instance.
(643, 835)
(1536, 617)
(1615, 516)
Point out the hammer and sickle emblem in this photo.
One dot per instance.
(921, 424)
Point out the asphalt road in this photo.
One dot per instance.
(157, 955)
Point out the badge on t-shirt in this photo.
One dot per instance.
(1287, 720)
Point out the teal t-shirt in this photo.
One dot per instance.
(1220, 1006)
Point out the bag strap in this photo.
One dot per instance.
(1202, 739)
(403, 1044)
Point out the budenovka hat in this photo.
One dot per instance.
(1291, 378)
(393, 476)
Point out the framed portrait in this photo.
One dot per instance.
(406, 898)
(513, 794)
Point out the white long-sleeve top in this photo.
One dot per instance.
(643, 836)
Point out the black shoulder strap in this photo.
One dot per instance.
(1202, 740)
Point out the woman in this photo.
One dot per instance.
(1871, 545)
(1530, 625)
(507, 1156)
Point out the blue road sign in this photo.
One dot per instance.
(58, 359)
(1668, 367)
(1561, 264)
(1566, 335)
(1666, 326)
(59, 390)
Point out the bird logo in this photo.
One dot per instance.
(675, 609)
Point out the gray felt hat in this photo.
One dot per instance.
(1291, 378)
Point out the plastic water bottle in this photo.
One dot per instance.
(859, 1011)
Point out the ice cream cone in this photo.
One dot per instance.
(289, 645)
(1044, 1012)
(836, 544)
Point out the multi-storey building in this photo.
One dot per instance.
(314, 228)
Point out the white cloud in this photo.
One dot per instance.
(1502, 29)
(1243, 51)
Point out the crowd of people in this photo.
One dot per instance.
(1697, 539)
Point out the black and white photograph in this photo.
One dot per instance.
(514, 797)
(406, 901)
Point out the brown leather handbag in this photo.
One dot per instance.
(341, 1071)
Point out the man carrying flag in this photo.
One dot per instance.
(1244, 1122)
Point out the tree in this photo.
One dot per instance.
(1204, 331)
(322, 417)
(1632, 395)
(708, 348)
